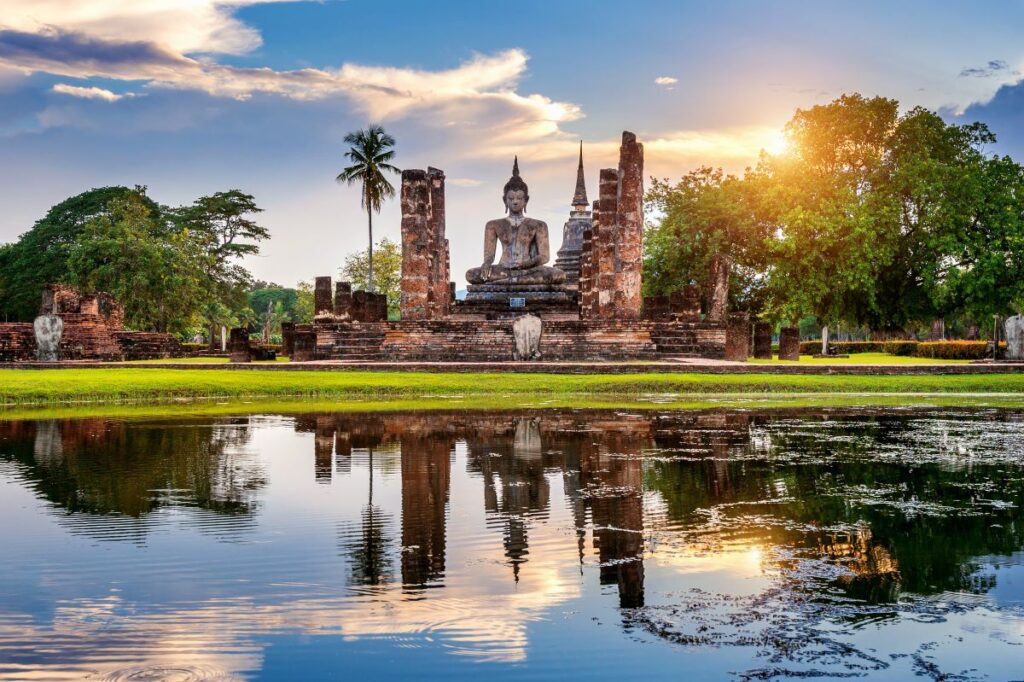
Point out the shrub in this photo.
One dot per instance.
(954, 350)
(905, 348)
(843, 347)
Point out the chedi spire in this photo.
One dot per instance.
(579, 198)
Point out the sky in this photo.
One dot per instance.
(190, 97)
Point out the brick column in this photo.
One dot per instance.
(789, 343)
(342, 299)
(415, 200)
(604, 244)
(718, 288)
(763, 341)
(287, 338)
(322, 303)
(439, 258)
(629, 220)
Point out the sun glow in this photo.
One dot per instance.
(777, 144)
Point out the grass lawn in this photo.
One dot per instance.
(84, 385)
(860, 359)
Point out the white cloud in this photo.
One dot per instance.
(89, 93)
(666, 80)
(185, 26)
(464, 182)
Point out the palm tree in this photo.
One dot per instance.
(370, 153)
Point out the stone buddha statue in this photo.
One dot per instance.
(524, 244)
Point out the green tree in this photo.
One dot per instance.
(305, 302)
(370, 152)
(287, 298)
(155, 273)
(39, 257)
(824, 216)
(704, 214)
(387, 267)
(223, 224)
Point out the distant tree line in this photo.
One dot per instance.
(871, 218)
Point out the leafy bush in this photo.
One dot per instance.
(843, 347)
(905, 348)
(954, 350)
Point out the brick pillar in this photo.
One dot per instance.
(287, 338)
(737, 337)
(586, 283)
(415, 199)
(763, 341)
(604, 244)
(304, 346)
(322, 303)
(718, 288)
(342, 299)
(629, 221)
(789, 343)
(238, 345)
(439, 259)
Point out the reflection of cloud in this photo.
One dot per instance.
(89, 93)
(666, 81)
(221, 637)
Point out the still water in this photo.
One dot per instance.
(514, 545)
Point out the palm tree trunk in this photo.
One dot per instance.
(369, 215)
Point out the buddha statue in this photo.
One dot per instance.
(524, 244)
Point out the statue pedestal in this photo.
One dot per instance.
(504, 293)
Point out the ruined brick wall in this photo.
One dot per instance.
(586, 283)
(17, 342)
(426, 294)
(616, 245)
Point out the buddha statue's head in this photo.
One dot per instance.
(515, 194)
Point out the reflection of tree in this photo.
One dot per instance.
(132, 468)
(907, 526)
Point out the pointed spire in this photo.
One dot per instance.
(579, 198)
(515, 167)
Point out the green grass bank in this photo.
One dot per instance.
(22, 387)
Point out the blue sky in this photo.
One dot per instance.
(190, 97)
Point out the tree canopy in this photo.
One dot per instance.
(871, 217)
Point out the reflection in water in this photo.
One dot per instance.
(806, 544)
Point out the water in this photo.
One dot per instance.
(517, 545)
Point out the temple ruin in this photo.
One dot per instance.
(590, 301)
(93, 329)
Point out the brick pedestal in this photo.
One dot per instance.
(737, 338)
(238, 345)
(789, 343)
(763, 341)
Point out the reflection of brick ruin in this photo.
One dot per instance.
(597, 313)
(93, 330)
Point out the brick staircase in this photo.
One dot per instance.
(688, 339)
(350, 340)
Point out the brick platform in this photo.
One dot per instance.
(482, 340)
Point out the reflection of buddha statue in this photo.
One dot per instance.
(524, 243)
